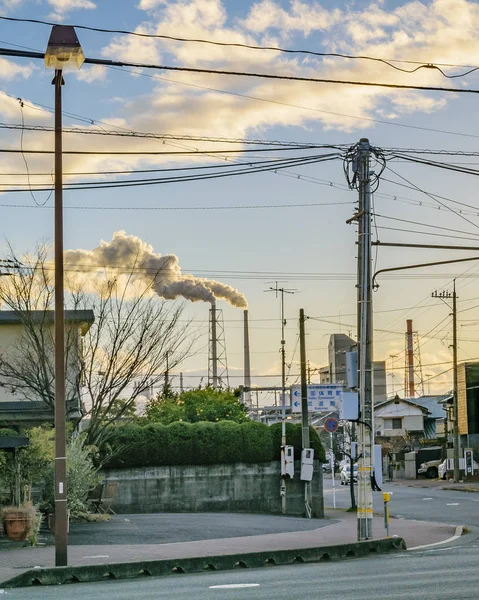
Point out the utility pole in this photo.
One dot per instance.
(282, 291)
(304, 404)
(166, 387)
(365, 330)
(455, 421)
(181, 382)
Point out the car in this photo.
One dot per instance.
(345, 474)
(326, 467)
(430, 468)
(448, 465)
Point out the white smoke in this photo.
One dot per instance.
(131, 254)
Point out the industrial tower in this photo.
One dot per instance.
(217, 360)
(413, 379)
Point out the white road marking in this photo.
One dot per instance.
(231, 586)
(427, 498)
(457, 534)
(97, 556)
(452, 503)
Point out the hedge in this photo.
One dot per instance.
(294, 438)
(201, 443)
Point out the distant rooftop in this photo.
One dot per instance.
(11, 317)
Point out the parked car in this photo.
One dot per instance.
(346, 474)
(430, 469)
(326, 467)
(443, 467)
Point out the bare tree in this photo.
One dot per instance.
(123, 353)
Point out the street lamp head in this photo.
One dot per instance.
(64, 51)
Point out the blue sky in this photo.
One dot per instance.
(301, 240)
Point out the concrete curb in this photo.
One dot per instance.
(157, 568)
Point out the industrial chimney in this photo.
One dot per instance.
(247, 364)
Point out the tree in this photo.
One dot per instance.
(207, 404)
(123, 353)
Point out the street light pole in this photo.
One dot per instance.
(63, 52)
(61, 516)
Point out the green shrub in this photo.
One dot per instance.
(5, 432)
(229, 449)
(205, 443)
(181, 450)
(294, 438)
(257, 442)
(156, 438)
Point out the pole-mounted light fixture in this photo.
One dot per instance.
(64, 51)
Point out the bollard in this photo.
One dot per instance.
(386, 498)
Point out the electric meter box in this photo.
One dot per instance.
(287, 462)
(307, 458)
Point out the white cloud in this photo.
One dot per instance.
(91, 73)
(10, 70)
(133, 49)
(61, 7)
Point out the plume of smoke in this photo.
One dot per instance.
(131, 254)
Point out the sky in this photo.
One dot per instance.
(226, 229)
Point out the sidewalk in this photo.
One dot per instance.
(440, 484)
(339, 528)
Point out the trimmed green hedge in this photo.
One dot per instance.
(201, 443)
(294, 438)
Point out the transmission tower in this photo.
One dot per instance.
(413, 379)
(217, 360)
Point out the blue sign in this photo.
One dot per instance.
(331, 424)
(321, 397)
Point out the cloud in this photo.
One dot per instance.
(133, 49)
(61, 7)
(91, 73)
(10, 70)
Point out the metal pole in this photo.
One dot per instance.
(61, 516)
(304, 403)
(410, 359)
(283, 408)
(332, 469)
(365, 442)
(456, 439)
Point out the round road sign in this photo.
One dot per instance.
(331, 424)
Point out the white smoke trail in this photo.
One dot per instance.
(162, 272)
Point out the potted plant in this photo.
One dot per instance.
(21, 523)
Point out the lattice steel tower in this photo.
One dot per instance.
(217, 359)
(413, 379)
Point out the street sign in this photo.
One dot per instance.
(331, 424)
(321, 397)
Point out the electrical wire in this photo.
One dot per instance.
(427, 65)
(256, 75)
(424, 224)
(458, 214)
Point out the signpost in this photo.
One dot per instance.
(331, 425)
(321, 397)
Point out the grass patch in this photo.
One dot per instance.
(91, 518)
(352, 509)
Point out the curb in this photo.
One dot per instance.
(457, 534)
(158, 568)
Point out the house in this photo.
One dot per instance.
(423, 417)
(27, 365)
(399, 417)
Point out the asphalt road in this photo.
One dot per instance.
(449, 573)
(425, 504)
(182, 527)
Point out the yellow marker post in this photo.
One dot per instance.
(387, 518)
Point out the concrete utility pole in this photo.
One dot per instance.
(304, 403)
(455, 423)
(365, 329)
(282, 291)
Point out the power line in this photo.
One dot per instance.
(427, 65)
(272, 76)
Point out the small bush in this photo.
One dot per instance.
(181, 450)
(229, 450)
(257, 442)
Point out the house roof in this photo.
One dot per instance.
(433, 405)
(404, 401)
(12, 317)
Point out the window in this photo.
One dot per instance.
(395, 423)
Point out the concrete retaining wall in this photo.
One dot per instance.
(212, 488)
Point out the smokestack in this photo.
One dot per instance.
(214, 347)
(247, 365)
(410, 358)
